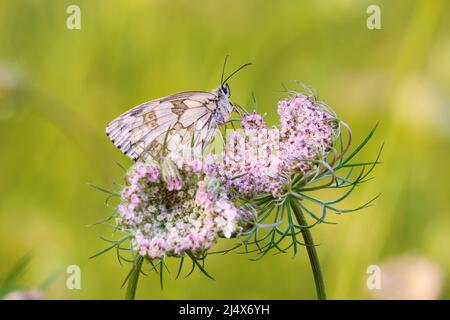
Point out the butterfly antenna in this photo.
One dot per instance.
(223, 67)
(236, 71)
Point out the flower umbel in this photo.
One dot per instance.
(260, 160)
(308, 131)
(170, 210)
(278, 175)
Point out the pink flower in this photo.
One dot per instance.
(174, 184)
(134, 199)
(201, 195)
(153, 173)
(141, 171)
(253, 121)
(195, 165)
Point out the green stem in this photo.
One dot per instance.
(311, 248)
(134, 278)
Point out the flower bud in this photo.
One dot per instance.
(171, 175)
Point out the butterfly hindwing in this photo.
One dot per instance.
(142, 130)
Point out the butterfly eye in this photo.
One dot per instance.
(226, 89)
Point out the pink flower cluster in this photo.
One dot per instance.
(308, 131)
(250, 163)
(253, 121)
(171, 210)
(259, 160)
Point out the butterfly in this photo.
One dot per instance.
(185, 117)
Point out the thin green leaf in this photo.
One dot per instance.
(194, 260)
(103, 189)
(358, 148)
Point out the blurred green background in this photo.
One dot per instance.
(59, 88)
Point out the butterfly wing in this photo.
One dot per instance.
(142, 130)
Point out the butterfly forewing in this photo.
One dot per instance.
(142, 131)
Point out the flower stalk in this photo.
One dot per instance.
(311, 248)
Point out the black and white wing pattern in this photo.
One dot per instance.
(141, 131)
